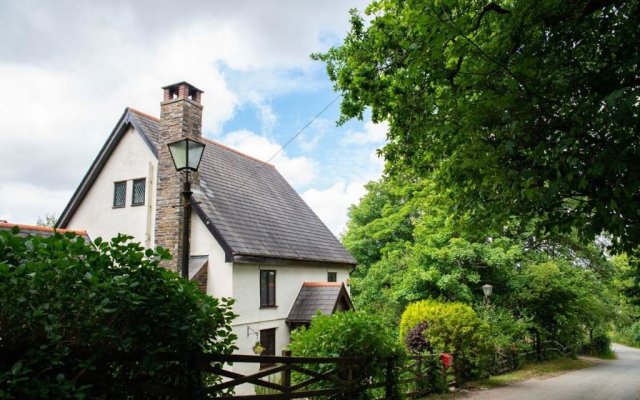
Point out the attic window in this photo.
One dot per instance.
(119, 194)
(332, 277)
(137, 198)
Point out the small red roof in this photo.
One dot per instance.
(39, 230)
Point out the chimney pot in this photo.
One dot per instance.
(182, 90)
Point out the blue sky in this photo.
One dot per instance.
(72, 67)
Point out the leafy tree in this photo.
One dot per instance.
(446, 259)
(49, 221)
(433, 257)
(526, 108)
(563, 301)
(69, 308)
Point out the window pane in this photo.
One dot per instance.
(179, 154)
(267, 288)
(263, 288)
(332, 277)
(138, 192)
(272, 288)
(195, 153)
(119, 194)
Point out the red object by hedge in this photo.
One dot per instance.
(446, 359)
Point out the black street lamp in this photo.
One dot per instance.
(186, 155)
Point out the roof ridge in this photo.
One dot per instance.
(42, 228)
(205, 139)
(236, 151)
(133, 110)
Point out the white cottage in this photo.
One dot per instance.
(252, 237)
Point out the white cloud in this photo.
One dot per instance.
(34, 202)
(298, 171)
(66, 84)
(373, 133)
(332, 204)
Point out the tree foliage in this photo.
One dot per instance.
(68, 308)
(552, 284)
(526, 108)
(563, 301)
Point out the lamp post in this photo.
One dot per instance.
(186, 155)
(487, 289)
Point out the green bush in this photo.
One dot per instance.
(67, 308)
(506, 332)
(453, 328)
(347, 334)
(600, 344)
(630, 335)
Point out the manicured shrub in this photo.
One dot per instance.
(68, 308)
(453, 328)
(348, 334)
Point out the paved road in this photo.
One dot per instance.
(616, 380)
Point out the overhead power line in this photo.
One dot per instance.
(303, 128)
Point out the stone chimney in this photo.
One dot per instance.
(180, 117)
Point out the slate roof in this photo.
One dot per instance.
(44, 231)
(317, 296)
(247, 205)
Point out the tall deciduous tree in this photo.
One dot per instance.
(408, 249)
(527, 108)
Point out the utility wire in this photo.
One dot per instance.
(255, 171)
(303, 128)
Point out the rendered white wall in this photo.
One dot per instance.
(246, 291)
(220, 274)
(130, 160)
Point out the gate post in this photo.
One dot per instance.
(389, 390)
(286, 374)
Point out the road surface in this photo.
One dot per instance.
(615, 379)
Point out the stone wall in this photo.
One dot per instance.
(180, 118)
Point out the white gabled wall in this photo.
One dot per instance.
(131, 159)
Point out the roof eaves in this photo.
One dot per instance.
(228, 251)
(141, 130)
(250, 258)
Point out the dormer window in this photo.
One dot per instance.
(137, 197)
(119, 194)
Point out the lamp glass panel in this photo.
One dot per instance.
(195, 155)
(179, 154)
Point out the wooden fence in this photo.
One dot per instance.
(212, 375)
